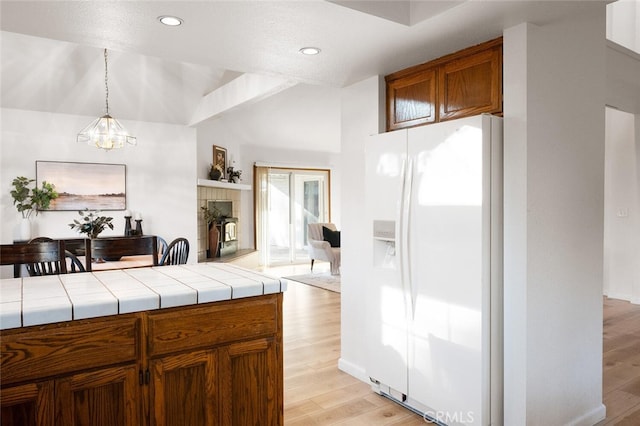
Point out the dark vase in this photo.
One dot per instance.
(214, 240)
(215, 174)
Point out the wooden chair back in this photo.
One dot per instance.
(177, 252)
(122, 246)
(73, 263)
(43, 258)
(162, 246)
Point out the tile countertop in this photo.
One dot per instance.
(55, 298)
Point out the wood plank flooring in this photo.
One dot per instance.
(317, 393)
(621, 363)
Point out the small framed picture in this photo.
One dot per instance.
(220, 161)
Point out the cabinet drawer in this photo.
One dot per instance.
(208, 325)
(45, 351)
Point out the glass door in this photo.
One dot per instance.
(295, 198)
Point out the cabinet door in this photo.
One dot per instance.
(107, 397)
(411, 100)
(28, 405)
(471, 85)
(184, 391)
(251, 383)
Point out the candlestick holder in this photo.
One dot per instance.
(138, 227)
(127, 226)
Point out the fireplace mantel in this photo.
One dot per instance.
(223, 185)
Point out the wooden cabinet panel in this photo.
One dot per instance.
(184, 390)
(462, 84)
(411, 101)
(212, 324)
(211, 364)
(471, 85)
(108, 397)
(28, 405)
(249, 381)
(38, 352)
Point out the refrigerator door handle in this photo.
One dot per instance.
(406, 239)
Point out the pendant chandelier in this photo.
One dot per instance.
(105, 132)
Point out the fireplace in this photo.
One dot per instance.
(227, 225)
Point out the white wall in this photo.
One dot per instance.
(362, 107)
(622, 218)
(161, 178)
(554, 79)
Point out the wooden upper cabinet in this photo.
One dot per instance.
(462, 84)
(411, 101)
(471, 85)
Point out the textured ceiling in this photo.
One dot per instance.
(160, 73)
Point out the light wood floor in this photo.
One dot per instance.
(621, 363)
(317, 393)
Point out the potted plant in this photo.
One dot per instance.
(28, 200)
(91, 223)
(211, 216)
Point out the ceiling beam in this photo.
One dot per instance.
(243, 90)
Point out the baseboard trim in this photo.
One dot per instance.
(620, 296)
(591, 418)
(353, 370)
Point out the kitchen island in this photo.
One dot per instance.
(185, 345)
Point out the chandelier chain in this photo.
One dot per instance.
(106, 83)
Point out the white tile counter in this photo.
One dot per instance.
(42, 300)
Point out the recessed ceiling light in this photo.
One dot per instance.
(172, 21)
(309, 50)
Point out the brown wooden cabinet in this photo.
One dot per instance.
(412, 100)
(465, 83)
(212, 364)
(107, 397)
(471, 85)
(250, 380)
(185, 390)
(28, 405)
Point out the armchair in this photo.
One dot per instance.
(320, 249)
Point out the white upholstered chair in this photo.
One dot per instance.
(320, 249)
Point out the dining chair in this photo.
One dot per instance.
(177, 252)
(72, 261)
(162, 246)
(47, 257)
(122, 246)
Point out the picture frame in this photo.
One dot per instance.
(93, 186)
(220, 161)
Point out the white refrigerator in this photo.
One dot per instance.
(434, 295)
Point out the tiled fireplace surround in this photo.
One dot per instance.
(208, 194)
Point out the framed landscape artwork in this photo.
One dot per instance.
(93, 186)
(220, 161)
